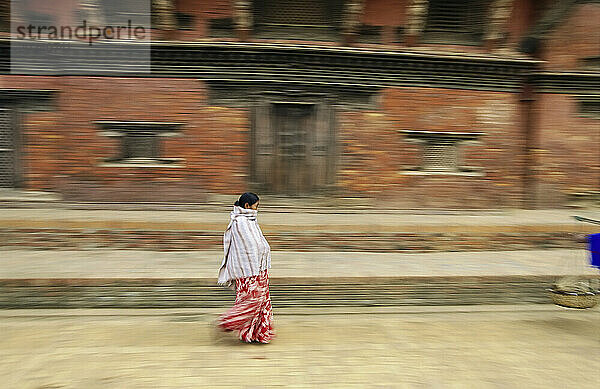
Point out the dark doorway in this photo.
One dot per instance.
(291, 171)
(293, 148)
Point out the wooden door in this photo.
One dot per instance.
(292, 124)
(262, 147)
(322, 148)
(293, 149)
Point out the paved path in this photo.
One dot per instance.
(104, 263)
(323, 219)
(543, 347)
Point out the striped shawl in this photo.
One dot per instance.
(246, 251)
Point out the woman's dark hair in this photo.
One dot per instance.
(248, 197)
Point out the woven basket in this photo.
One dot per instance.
(574, 300)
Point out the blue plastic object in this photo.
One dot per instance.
(594, 247)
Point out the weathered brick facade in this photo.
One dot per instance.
(556, 150)
(569, 142)
(573, 40)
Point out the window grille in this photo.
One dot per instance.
(184, 21)
(589, 106)
(295, 12)
(293, 131)
(220, 27)
(591, 63)
(5, 16)
(297, 18)
(140, 146)
(440, 150)
(118, 12)
(369, 34)
(455, 21)
(39, 18)
(6, 149)
(440, 155)
(140, 141)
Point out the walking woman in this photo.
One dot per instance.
(247, 258)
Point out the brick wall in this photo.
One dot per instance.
(568, 142)
(202, 12)
(568, 159)
(64, 147)
(575, 38)
(375, 154)
(522, 16)
(385, 12)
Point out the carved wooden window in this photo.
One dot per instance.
(455, 21)
(5, 16)
(38, 18)
(590, 63)
(139, 142)
(140, 145)
(41, 20)
(440, 155)
(221, 27)
(185, 21)
(7, 149)
(118, 12)
(440, 151)
(295, 12)
(297, 18)
(589, 106)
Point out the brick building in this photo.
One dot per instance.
(439, 103)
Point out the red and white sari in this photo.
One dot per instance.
(246, 260)
(251, 314)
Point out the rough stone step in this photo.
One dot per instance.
(321, 230)
(190, 293)
(478, 240)
(102, 266)
(293, 219)
(130, 278)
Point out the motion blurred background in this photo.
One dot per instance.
(401, 104)
(418, 163)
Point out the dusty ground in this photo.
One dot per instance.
(437, 347)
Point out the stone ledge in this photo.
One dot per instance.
(418, 239)
(344, 282)
(124, 226)
(282, 311)
(16, 195)
(353, 291)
